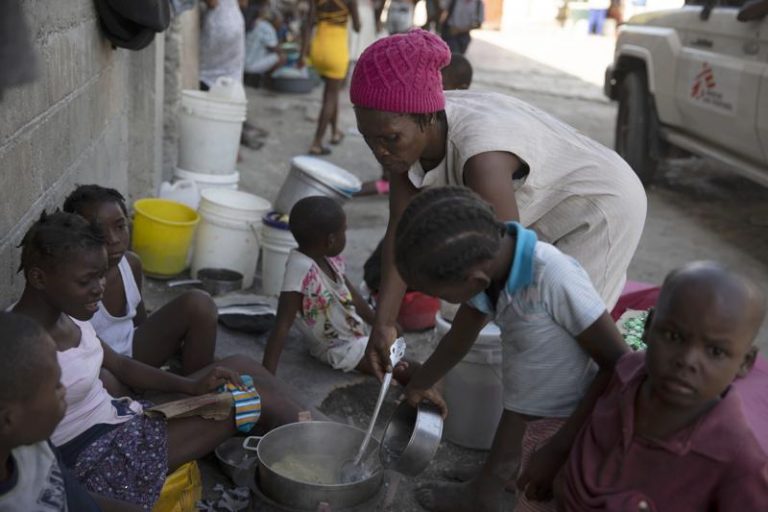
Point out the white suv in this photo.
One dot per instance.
(694, 78)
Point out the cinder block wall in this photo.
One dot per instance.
(94, 115)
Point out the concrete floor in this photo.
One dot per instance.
(696, 210)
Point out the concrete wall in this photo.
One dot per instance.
(93, 115)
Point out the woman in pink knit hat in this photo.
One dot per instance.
(574, 192)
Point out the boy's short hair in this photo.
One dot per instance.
(85, 195)
(459, 71)
(313, 218)
(23, 341)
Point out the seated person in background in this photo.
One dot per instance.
(186, 324)
(669, 432)
(262, 46)
(457, 75)
(332, 313)
(32, 476)
(111, 446)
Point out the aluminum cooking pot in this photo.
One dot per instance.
(411, 438)
(216, 281)
(329, 442)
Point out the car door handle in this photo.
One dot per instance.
(704, 43)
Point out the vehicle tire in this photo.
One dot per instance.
(637, 136)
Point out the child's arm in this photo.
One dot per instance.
(142, 376)
(138, 275)
(361, 305)
(605, 345)
(466, 326)
(288, 306)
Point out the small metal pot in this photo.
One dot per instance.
(411, 438)
(216, 281)
(336, 443)
(236, 462)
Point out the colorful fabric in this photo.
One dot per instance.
(334, 331)
(129, 463)
(247, 404)
(401, 73)
(716, 463)
(329, 52)
(537, 434)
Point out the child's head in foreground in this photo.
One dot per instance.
(457, 74)
(445, 243)
(64, 259)
(700, 335)
(104, 207)
(319, 224)
(31, 395)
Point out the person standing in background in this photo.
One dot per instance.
(459, 20)
(329, 53)
(598, 11)
(399, 16)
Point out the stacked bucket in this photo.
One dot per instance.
(308, 176)
(228, 221)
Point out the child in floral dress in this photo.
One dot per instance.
(332, 313)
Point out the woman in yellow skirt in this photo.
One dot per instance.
(329, 54)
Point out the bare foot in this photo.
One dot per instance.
(337, 137)
(467, 473)
(319, 150)
(452, 497)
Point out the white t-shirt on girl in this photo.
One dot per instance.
(117, 331)
(334, 331)
(88, 402)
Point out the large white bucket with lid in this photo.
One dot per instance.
(229, 231)
(209, 132)
(473, 390)
(203, 181)
(310, 176)
(276, 244)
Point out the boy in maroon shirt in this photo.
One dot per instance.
(669, 434)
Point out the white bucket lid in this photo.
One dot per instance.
(236, 200)
(202, 177)
(328, 173)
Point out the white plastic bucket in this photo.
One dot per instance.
(229, 231)
(309, 176)
(210, 129)
(473, 390)
(276, 244)
(204, 181)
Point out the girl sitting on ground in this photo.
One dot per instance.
(332, 313)
(559, 344)
(113, 449)
(185, 325)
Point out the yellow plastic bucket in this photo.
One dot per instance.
(181, 491)
(162, 235)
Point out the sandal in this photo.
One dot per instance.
(337, 138)
(319, 151)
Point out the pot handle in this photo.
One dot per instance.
(255, 228)
(251, 443)
(183, 282)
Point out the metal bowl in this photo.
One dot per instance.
(411, 438)
(236, 462)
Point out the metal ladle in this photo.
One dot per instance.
(350, 470)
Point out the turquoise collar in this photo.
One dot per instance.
(520, 272)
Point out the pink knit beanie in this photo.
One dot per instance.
(401, 73)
